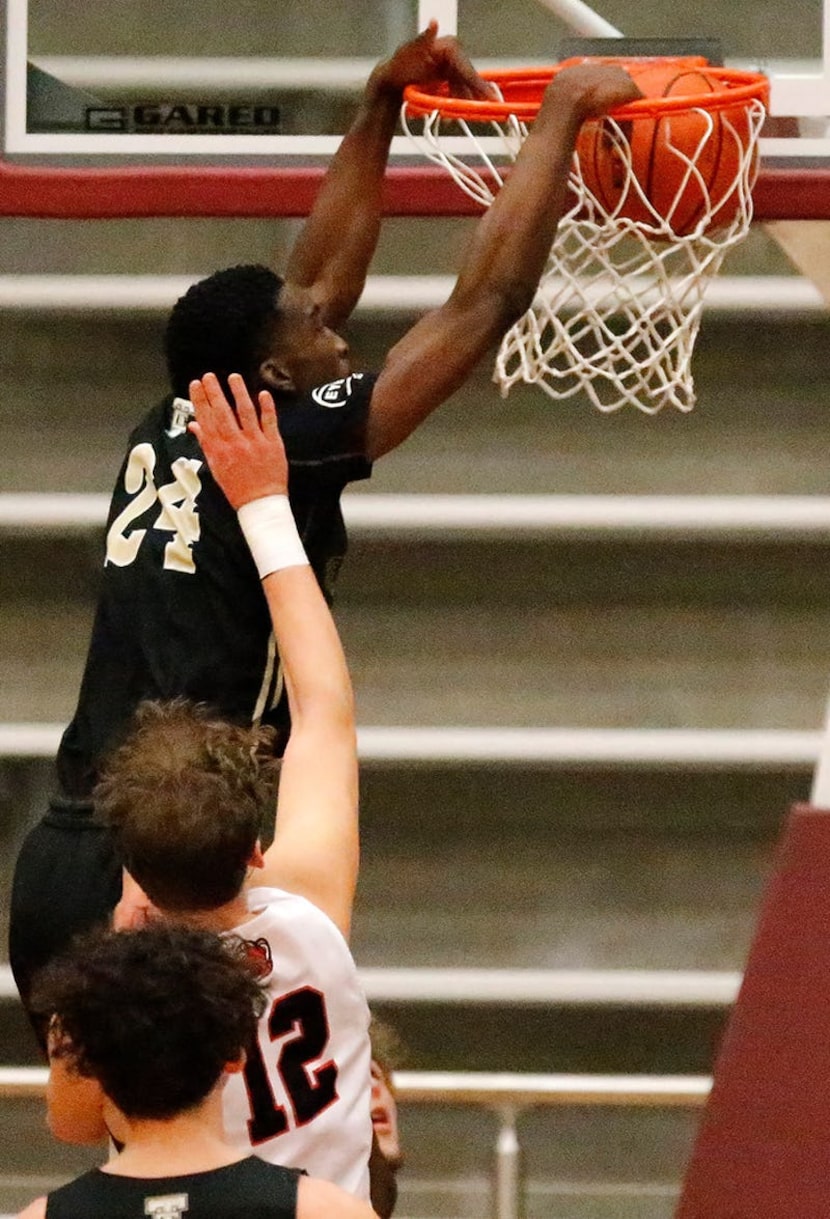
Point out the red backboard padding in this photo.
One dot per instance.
(255, 191)
(763, 1149)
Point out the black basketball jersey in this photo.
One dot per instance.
(181, 611)
(249, 1189)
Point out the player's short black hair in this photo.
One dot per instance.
(153, 1015)
(221, 325)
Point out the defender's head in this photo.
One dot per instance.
(187, 794)
(154, 1015)
(246, 319)
(386, 1055)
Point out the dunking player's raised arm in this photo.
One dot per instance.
(315, 847)
(503, 264)
(333, 251)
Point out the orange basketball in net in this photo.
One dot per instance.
(682, 166)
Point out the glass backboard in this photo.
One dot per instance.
(245, 82)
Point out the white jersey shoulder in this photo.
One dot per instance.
(304, 1099)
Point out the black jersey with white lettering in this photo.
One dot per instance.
(181, 611)
(249, 1189)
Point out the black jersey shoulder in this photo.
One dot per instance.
(328, 424)
(249, 1187)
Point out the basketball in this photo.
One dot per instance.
(684, 164)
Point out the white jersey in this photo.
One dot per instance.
(304, 1098)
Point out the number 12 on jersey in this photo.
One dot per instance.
(309, 1091)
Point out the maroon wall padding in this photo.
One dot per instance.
(59, 192)
(50, 192)
(763, 1149)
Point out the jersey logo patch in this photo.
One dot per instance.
(335, 393)
(181, 414)
(166, 1206)
(259, 956)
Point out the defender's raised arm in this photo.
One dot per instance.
(315, 848)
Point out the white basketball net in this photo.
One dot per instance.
(619, 305)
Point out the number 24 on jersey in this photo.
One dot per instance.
(177, 503)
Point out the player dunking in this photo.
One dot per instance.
(158, 1019)
(181, 611)
(187, 795)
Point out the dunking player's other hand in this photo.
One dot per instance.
(591, 89)
(425, 60)
(244, 450)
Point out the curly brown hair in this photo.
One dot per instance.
(388, 1049)
(153, 1015)
(187, 794)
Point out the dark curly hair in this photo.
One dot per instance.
(188, 795)
(221, 325)
(153, 1015)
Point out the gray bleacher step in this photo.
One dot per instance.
(570, 1040)
(610, 634)
(757, 428)
(518, 897)
(510, 898)
(591, 668)
(32, 1161)
(472, 881)
(416, 245)
(540, 868)
(575, 1162)
(598, 666)
(513, 1037)
(407, 808)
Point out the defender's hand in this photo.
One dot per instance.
(427, 59)
(135, 909)
(592, 88)
(244, 450)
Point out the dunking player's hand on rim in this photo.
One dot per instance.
(593, 88)
(426, 59)
(333, 250)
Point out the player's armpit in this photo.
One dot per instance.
(317, 1199)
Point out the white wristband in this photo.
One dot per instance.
(271, 534)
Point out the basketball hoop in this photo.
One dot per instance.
(661, 189)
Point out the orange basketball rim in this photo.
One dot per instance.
(522, 90)
(661, 188)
